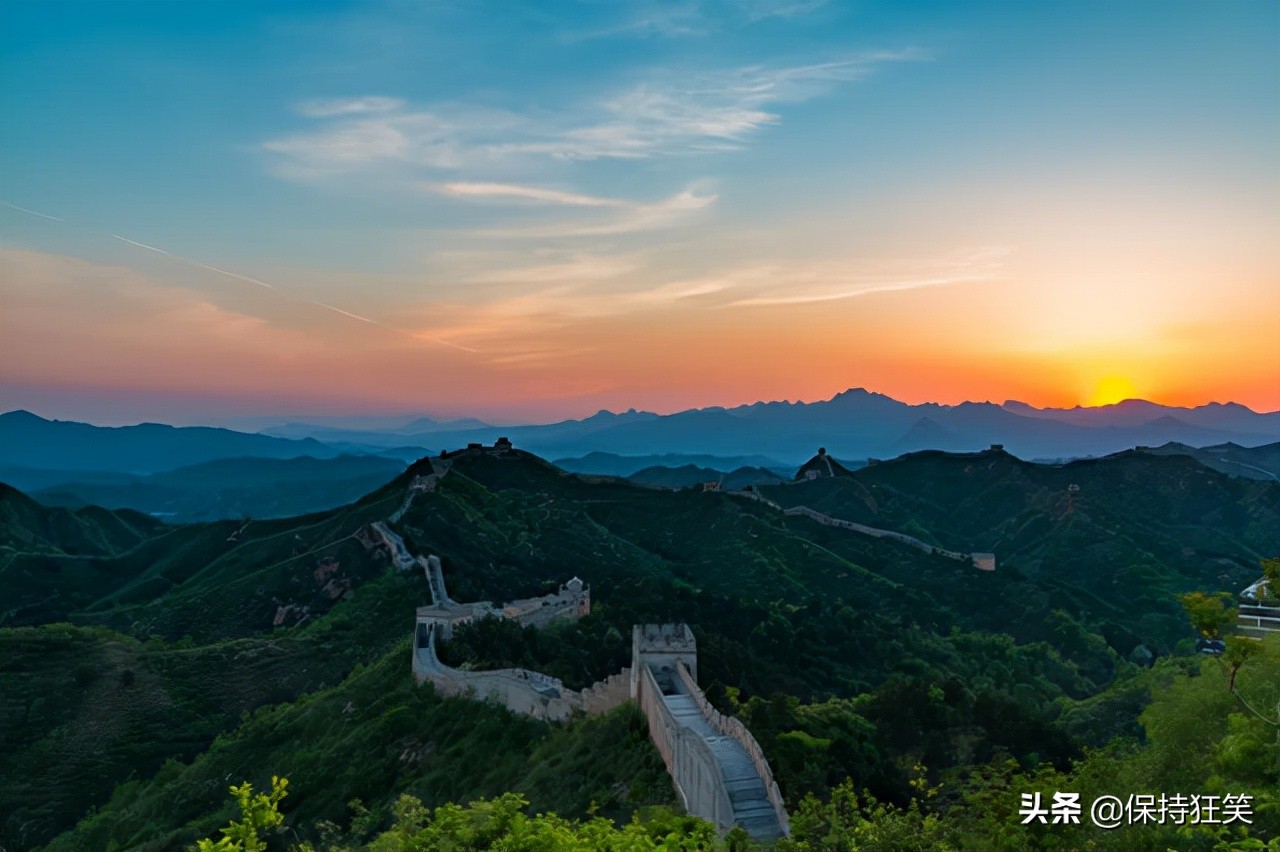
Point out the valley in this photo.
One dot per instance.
(187, 649)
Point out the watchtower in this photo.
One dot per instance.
(661, 646)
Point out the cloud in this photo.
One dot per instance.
(650, 20)
(690, 19)
(325, 108)
(631, 218)
(67, 317)
(577, 268)
(759, 10)
(775, 284)
(830, 293)
(829, 282)
(292, 296)
(666, 116)
(509, 191)
(647, 122)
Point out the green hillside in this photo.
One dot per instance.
(231, 488)
(1120, 536)
(279, 647)
(27, 528)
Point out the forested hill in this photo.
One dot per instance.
(850, 657)
(27, 527)
(1130, 530)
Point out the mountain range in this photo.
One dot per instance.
(855, 424)
(196, 473)
(144, 667)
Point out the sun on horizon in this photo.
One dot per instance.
(1111, 390)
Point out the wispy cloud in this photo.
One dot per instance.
(574, 269)
(775, 284)
(328, 107)
(629, 218)
(544, 302)
(759, 10)
(765, 286)
(517, 192)
(644, 20)
(653, 19)
(666, 116)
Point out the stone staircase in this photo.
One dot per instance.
(751, 807)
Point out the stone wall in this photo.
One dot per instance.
(661, 646)
(758, 497)
(876, 532)
(734, 729)
(605, 695)
(689, 761)
(519, 690)
(394, 544)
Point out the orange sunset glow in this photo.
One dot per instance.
(766, 224)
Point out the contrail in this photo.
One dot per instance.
(415, 335)
(145, 246)
(346, 313)
(325, 305)
(227, 272)
(31, 212)
(250, 280)
(194, 262)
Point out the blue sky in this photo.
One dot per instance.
(522, 186)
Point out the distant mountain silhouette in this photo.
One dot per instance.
(858, 424)
(1249, 462)
(854, 424)
(610, 464)
(214, 490)
(31, 441)
(692, 475)
(927, 432)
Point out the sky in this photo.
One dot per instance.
(211, 211)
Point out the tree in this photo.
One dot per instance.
(259, 812)
(1240, 649)
(850, 821)
(1209, 614)
(1271, 573)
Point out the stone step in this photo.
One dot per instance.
(747, 795)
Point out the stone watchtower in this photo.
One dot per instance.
(661, 646)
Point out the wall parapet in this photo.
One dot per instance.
(734, 729)
(689, 760)
(901, 538)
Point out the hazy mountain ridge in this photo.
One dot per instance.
(691, 475)
(31, 441)
(611, 464)
(233, 488)
(1261, 462)
(861, 424)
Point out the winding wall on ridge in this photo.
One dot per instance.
(717, 767)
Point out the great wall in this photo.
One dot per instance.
(717, 768)
(981, 561)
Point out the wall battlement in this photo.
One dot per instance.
(716, 765)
